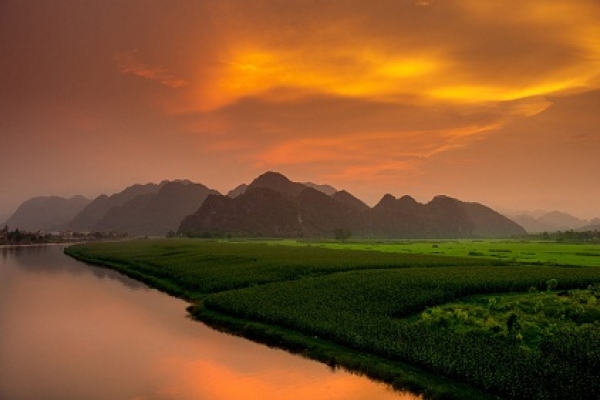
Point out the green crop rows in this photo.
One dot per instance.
(395, 306)
(193, 268)
(364, 310)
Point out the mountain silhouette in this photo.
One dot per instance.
(97, 209)
(260, 211)
(274, 206)
(155, 214)
(46, 213)
(270, 206)
(550, 221)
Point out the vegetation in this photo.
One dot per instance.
(192, 268)
(507, 251)
(454, 316)
(569, 236)
(553, 339)
(365, 310)
(19, 237)
(530, 318)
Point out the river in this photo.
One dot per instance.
(72, 331)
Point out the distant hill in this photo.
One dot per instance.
(237, 191)
(274, 206)
(46, 213)
(532, 224)
(327, 189)
(442, 217)
(542, 221)
(562, 220)
(86, 220)
(3, 219)
(155, 214)
(592, 227)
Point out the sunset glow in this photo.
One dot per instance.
(372, 97)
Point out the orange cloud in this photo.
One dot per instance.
(456, 52)
(368, 155)
(129, 63)
(357, 91)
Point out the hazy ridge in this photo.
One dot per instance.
(274, 206)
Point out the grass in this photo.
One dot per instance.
(192, 268)
(531, 252)
(378, 309)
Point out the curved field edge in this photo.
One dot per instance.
(366, 310)
(164, 285)
(400, 376)
(260, 302)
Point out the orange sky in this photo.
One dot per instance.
(489, 101)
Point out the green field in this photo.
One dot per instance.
(531, 252)
(508, 329)
(192, 268)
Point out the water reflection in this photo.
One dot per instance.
(69, 331)
(28, 258)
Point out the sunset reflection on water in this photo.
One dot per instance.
(75, 332)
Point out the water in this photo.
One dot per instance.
(71, 331)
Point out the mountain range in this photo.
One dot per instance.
(544, 221)
(140, 210)
(274, 206)
(47, 213)
(143, 210)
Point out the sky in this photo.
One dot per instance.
(494, 101)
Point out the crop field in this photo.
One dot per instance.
(193, 267)
(365, 310)
(508, 329)
(531, 252)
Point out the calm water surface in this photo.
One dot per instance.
(71, 331)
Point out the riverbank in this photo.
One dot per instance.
(55, 343)
(400, 376)
(357, 306)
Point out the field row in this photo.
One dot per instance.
(195, 267)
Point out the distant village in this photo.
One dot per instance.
(19, 237)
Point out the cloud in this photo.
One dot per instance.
(348, 138)
(378, 90)
(358, 91)
(129, 63)
(461, 51)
